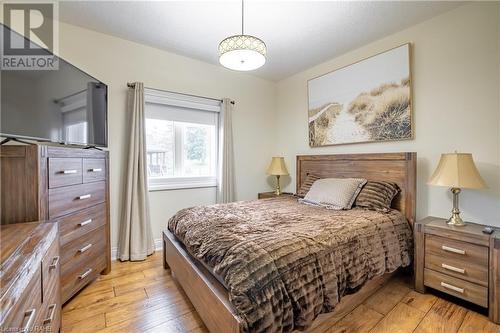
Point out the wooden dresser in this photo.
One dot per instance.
(460, 261)
(71, 186)
(30, 295)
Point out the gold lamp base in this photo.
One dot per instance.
(455, 219)
(278, 188)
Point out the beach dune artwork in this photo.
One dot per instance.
(364, 102)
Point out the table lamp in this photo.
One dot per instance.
(457, 170)
(277, 168)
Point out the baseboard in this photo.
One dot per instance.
(158, 247)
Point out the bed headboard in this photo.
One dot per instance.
(395, 167)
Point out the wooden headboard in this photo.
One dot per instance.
(395, 167)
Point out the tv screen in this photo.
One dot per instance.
(65, 105)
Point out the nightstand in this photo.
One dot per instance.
(459, 261)
(267, 195)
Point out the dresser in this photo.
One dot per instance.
(30, 298)
(459, 261)
(68, 185)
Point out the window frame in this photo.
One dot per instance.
(153, 96)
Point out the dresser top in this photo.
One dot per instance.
(22, 247)
(52, 150)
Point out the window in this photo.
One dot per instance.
(181, 140)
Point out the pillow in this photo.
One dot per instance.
(377, 196)
(334, 193)
(306, 185)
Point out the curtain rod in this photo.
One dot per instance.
(132, 85)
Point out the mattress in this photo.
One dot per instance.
(283, 263)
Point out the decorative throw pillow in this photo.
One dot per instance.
(334, 193)
(377, 196)
(306, 185)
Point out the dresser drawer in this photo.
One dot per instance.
(66, 200)
(50, 314)
(94, 169)
(457, 287)
(75, 253)
(50, 271)
(458, 268)
(64, 172)
(77, 277)
(453, 249)
(26, 312)
(78, 224)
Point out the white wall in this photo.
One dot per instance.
(117, 61)
(456, 81)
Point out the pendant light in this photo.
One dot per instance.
(242, 52)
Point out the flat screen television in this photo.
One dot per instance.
(65, 105)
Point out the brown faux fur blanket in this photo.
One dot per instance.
(284, 262)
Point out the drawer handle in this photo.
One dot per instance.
(454, 269)
(52, 309)
(95, 170)
(452, 249)
(85, 248)
(84, 275)
(55, 262)
(32, 316)
(85, 196)
(452, 287)
(81, 224)
(67, 172)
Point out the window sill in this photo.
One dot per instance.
(181, 186)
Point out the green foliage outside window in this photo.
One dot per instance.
(196, 143)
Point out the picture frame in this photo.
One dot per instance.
(367, 101)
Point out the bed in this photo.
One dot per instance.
(241, 282)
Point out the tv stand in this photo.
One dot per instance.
(93, 147)
(8, 139)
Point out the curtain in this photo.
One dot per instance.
(226, 182)
(136, 236)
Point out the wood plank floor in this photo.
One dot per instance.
(143, 297)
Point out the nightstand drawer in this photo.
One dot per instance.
(462, 269)
(453, 249)
(462, 289)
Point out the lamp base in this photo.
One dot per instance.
(278, 188)
(455, 219)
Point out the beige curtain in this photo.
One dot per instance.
(136, 237)
(226, 183)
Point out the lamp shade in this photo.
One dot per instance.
(457, 170)
(277, 167)
(242, 53)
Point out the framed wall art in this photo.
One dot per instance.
(367, 101)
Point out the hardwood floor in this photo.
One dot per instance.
(143, 297)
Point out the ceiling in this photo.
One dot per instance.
(298, 34)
